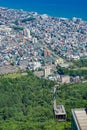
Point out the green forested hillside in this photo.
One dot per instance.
(72, 96)
(26, 102)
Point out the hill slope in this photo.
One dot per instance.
(26, 102)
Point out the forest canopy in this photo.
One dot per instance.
(26, 102)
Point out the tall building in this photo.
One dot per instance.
(27, 33)
(79, 119)
(34, 40)
(47, 71)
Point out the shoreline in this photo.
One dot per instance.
(83, 19)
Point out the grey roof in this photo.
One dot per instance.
(59, 109)
(80, 117)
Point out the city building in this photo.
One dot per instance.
(47, 71)
(27, 33)
(65, 79)
(47, 53)
(36, 65)
(39, 73)
(59, 61)
(34, 40)
(79, 119)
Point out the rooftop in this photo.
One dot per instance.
(59, 109)
(80, 116)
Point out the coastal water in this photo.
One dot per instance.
(58, 8)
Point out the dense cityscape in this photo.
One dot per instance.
(32, 41)
(43, 65)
